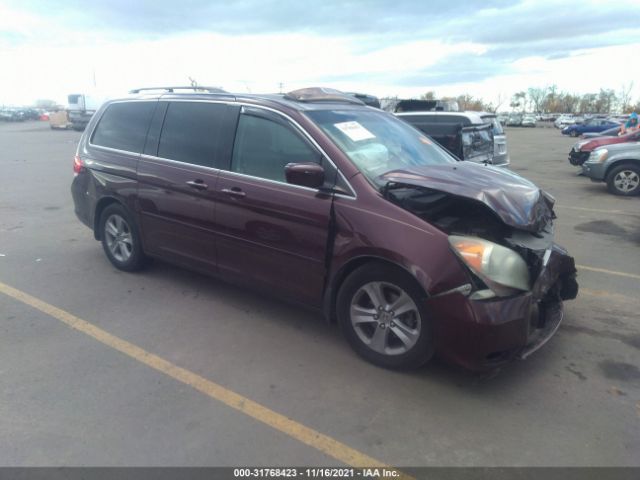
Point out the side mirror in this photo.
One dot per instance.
(304, 174)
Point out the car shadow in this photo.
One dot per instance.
(290, 316)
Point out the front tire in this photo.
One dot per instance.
(381, 313)
(121, 239)
(624, 180)
(573, 133)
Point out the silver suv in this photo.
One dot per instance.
(618, 165)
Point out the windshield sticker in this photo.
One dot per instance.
(424, 140)
(354, 131)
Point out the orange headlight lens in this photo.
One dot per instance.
(472, 253)
(495, 264)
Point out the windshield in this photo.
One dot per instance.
(377, 142)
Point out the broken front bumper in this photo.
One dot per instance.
(578, 158)
(547, 325)
(484, 334)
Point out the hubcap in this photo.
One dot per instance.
(626, 181)
(385, 318)
(118, 236)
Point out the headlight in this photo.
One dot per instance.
(599, 155)
(502, 269)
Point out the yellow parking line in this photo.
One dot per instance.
(296, 430)
(610, 272)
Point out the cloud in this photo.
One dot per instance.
(257, 16)
(380, 46)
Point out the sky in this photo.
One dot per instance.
(488, 48)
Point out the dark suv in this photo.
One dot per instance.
(319, 199)
(464, 134)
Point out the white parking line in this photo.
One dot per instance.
(600, 210)
(609, 272)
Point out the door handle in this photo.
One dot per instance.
(234, 192)
(197, 184)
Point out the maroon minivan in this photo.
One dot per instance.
(338, 206)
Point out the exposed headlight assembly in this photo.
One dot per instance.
(500, 268)
(599, 155)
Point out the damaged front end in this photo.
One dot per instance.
(501, 229)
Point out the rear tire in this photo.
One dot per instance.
(121, 238)
(381, 313)
(624, 180)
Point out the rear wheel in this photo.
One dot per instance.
(120, 238)
(381, 314)
(624, 180)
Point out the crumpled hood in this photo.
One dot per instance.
(517, 201)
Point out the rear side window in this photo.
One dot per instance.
(457, 119)
(495, 125)
(420, 118)
(124, 126)
(263, 147)
(191, 132)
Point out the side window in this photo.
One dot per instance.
(191, 132)
(124, 126)
(263, 147)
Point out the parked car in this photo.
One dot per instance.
(564, 120)
(12, 115)
(618, 165)
(528, 121)
(514, 120)
(618, 118)
(500, 154)
(611, 132)
(31, 114)
(595, 125)
(580, 152)
(464, 134)
(319, 199)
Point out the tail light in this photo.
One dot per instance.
(78, 165)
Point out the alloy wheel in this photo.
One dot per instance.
(626, 181)
(119, 238)
(385, 318)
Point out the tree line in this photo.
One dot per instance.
(550, 99)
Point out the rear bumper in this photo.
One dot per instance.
(82, 203)
(485, 334)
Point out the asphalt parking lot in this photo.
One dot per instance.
(169, 363)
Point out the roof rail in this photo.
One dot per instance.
(197, 88)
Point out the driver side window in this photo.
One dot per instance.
(263, 147)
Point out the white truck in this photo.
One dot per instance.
(81, 108)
